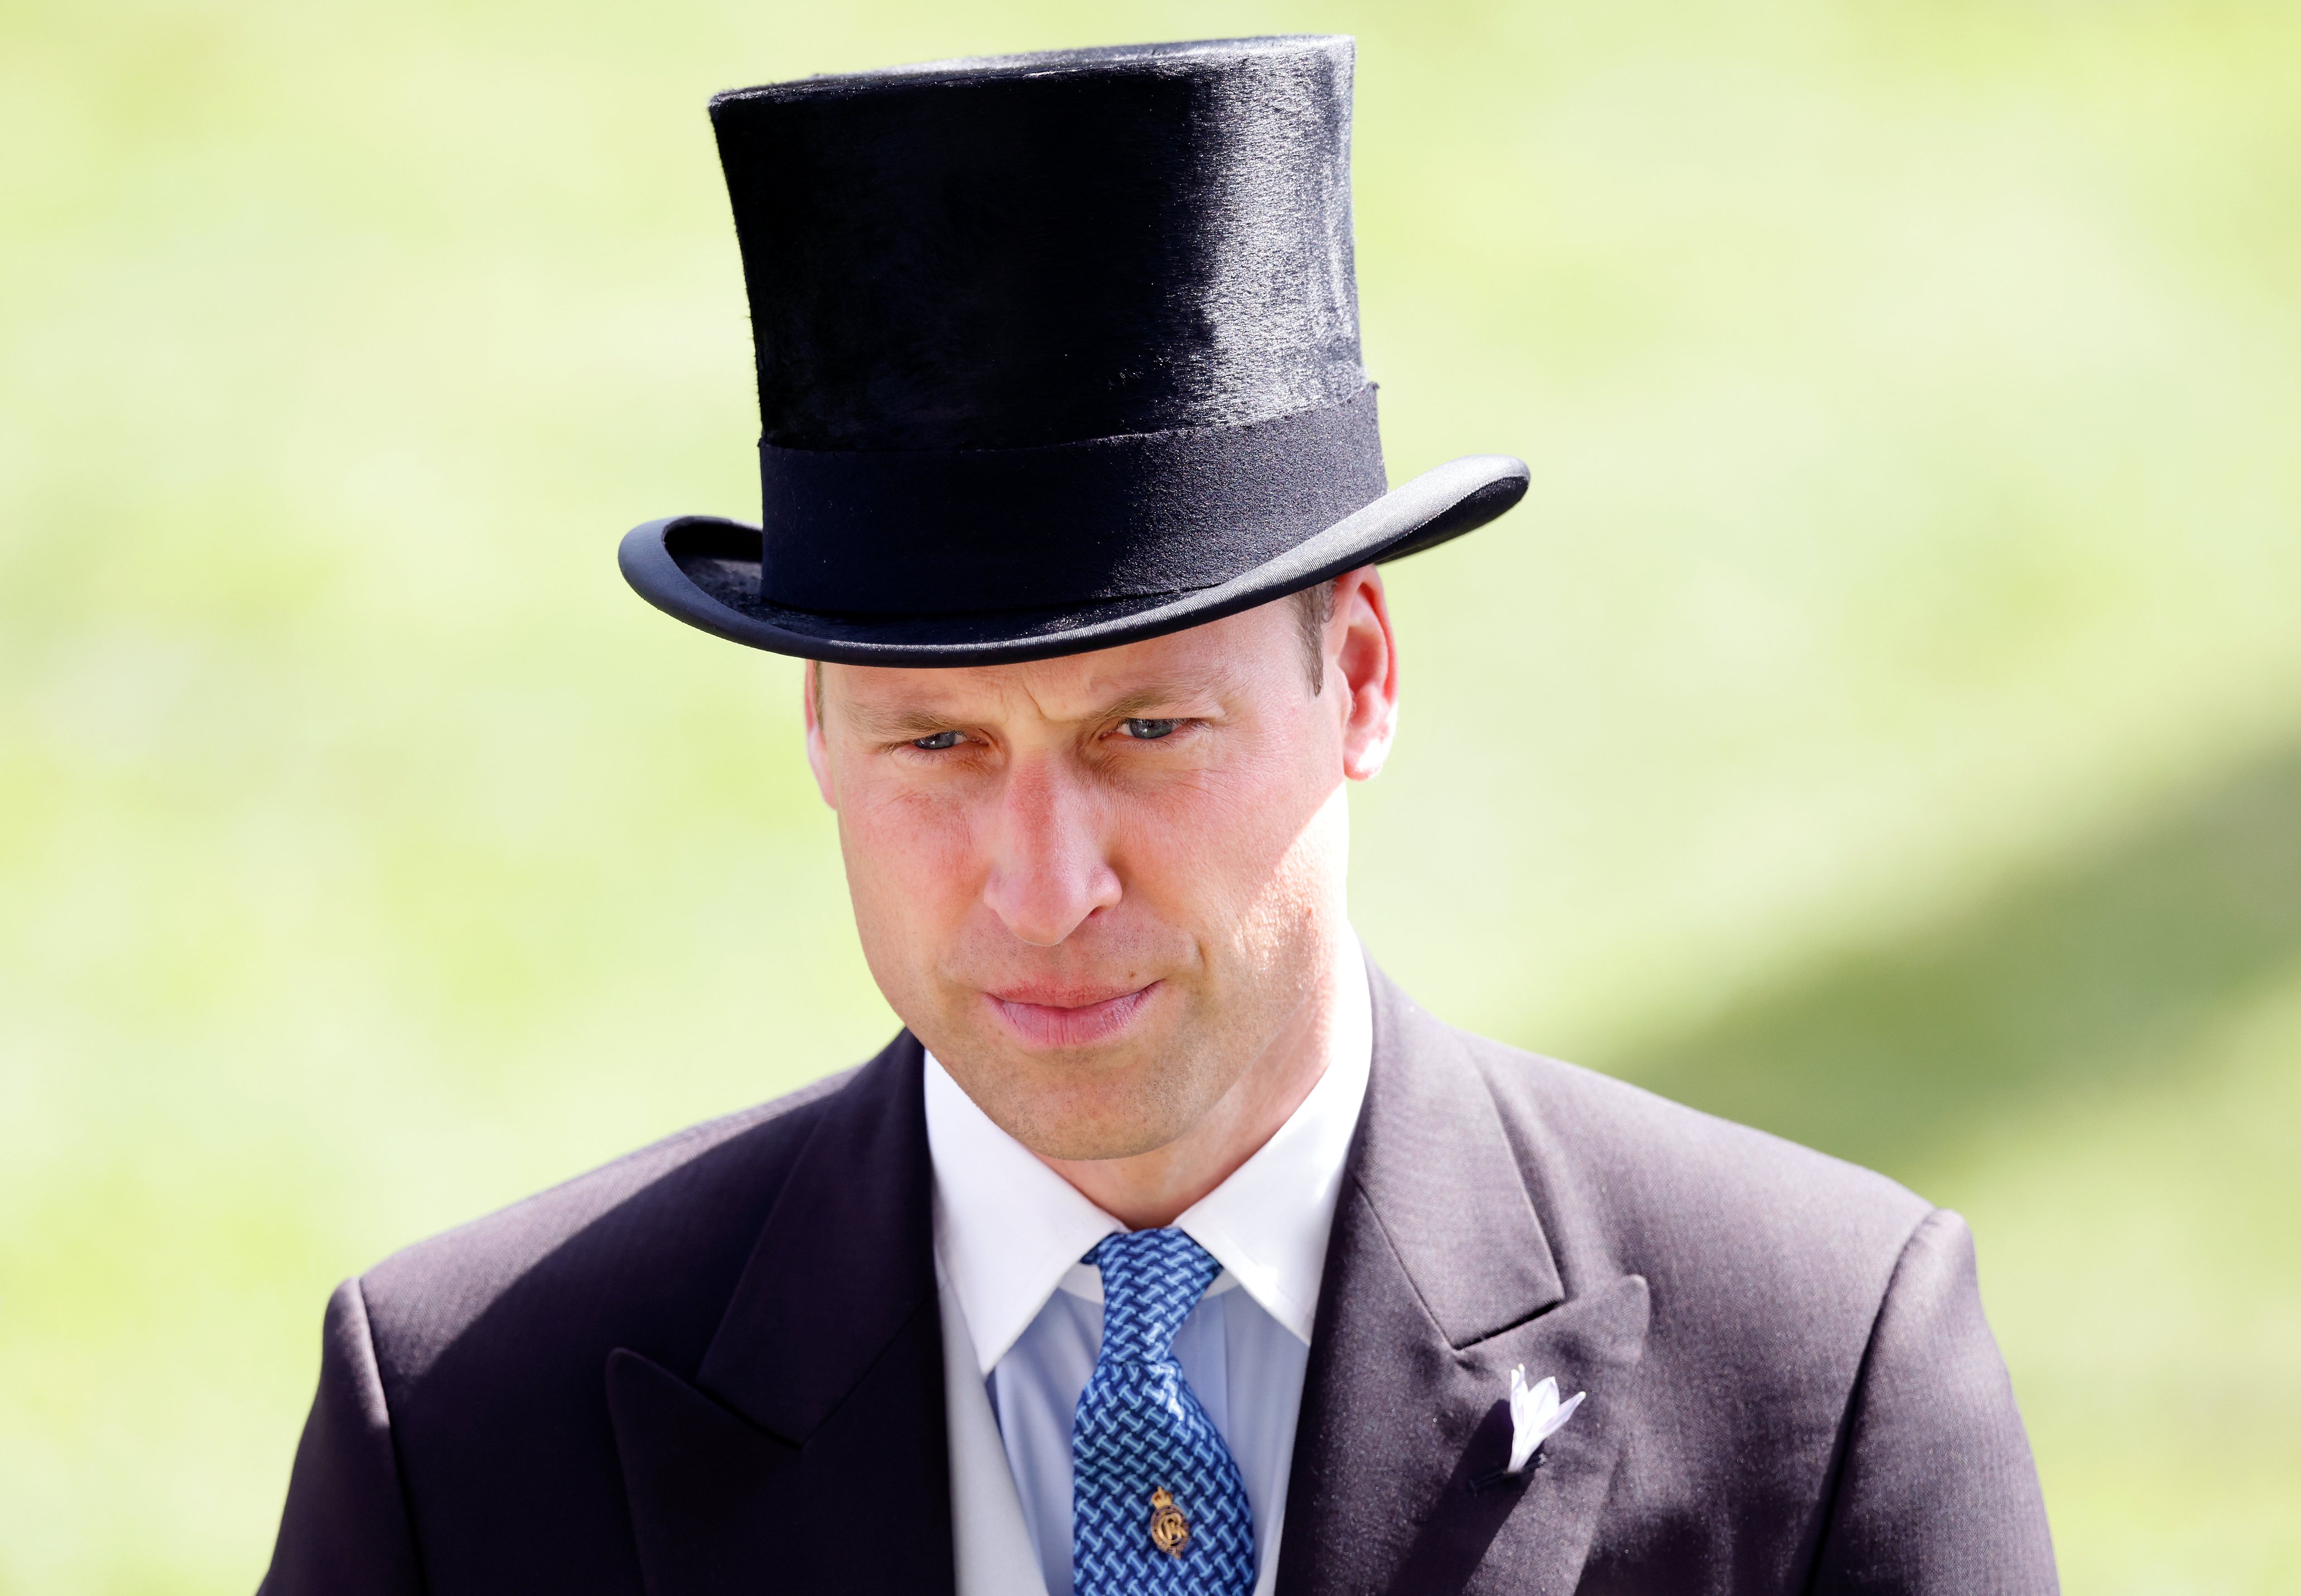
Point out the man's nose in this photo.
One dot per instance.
(1048, 867)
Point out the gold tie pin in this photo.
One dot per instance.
(1169, 1530)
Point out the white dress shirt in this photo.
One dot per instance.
(1024, 1317)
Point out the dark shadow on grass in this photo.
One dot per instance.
(2094, 974)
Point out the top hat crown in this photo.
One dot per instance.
(1055, 351)
(1047, 249)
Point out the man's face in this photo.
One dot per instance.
(1101, 888)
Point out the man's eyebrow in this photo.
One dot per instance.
(1162, 694)
(897, 725)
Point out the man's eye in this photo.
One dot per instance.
(1149, 731)
(940, 740)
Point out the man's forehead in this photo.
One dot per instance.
(1212, 662)
(1030, 689)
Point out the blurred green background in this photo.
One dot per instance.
(1882, 722)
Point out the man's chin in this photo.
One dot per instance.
(1082, 1122)
(1075, 1103)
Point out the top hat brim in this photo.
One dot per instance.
(704, 571)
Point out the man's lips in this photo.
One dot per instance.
(1050, 1017)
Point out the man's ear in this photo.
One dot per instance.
(818, 757)
(1362, 660)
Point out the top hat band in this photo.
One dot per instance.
(949, 532)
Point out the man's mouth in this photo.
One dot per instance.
(1051, 1017)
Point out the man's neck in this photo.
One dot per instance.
(1155, 1188)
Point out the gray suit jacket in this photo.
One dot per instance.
(716, 1365)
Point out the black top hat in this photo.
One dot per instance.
(1055, 351)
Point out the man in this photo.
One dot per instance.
(1169, 1248)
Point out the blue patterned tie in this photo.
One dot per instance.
(1156, 1506)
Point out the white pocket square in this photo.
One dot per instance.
(1535, 1415)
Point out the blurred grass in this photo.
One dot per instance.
(1878, 724)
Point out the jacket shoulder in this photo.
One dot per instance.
(1737, 1229)
(1656, 1156)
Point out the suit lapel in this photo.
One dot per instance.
(809, 1453)
(1440, 1280)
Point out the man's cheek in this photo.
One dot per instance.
(916, 831)
(918, 862)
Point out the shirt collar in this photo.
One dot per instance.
(1007, 1228)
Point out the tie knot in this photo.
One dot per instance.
(1151, 1280)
